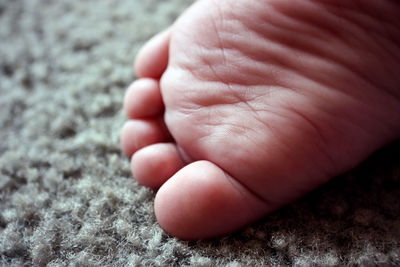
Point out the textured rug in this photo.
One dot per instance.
(66, 193)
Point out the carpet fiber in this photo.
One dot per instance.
(66, 193)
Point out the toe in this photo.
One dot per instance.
(154, 165)
(152, 59)
(137, 134)
(202, 201)
(143, 99)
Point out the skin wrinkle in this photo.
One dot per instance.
(193, 66)
(229, 128)
(240, 81)
(259, 68)
(299, 20)
(198, 70)
(317, 129)
(302, 72)
(308, 79)
(381, 39)
(220, 48)
(280, 64)
(307, 171)
(197, 99)
(356, 103)
(284, 141)
(217, 30)
(383, 36)
(265, 123)
(219, 80)
(265, 200)
(305, 45)
(381, 12)
(214, 72)
(275, 132)
(189, 62)
(354, 17)
(209, 64)
(251, 109)
(241, 189)
(341, 66)
(239, 99)
(326, 31)
(392, 77)
(297, 24)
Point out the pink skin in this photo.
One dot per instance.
(244, 106)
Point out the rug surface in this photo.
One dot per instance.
(66, 193)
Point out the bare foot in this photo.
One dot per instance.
(243, 106)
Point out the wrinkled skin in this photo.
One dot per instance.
(243, 106)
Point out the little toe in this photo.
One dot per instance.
(137, 134)
(143, 99)
(152, 59)
(202, 201)
(155, 164)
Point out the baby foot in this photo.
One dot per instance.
(243, 106)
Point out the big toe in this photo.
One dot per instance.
(202, 201)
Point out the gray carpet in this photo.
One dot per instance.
(66, 194)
